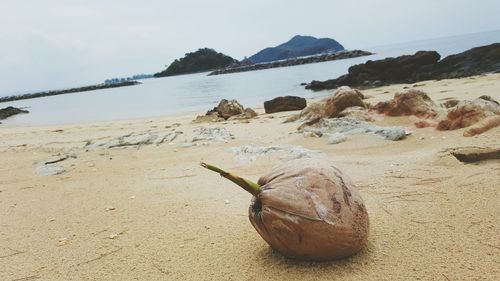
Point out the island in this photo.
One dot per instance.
(298, 46)
(204, 59)
(296, 51)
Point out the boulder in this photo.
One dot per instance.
(467, 113)
(411, 102)
(332, 106)
(10, 111)
(228, 108)
(287, 103)
(342, 98)
(423, 65)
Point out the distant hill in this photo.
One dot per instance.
(202, 60)
(298, 46)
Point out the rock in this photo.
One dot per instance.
(341, 99)
(248, 153)
(50, 170)
(248, 114)
(287, 103)
(401, 69)
(212, 134)
(134, 139)
(467, 113)
(411, 102)
(10, 111)
(483, 126)
(209, 117)
(228, 108)
(353, 126)
(450, 103)
(336, 138)
(356, 112)
(475, 154)
(332, 106)
(423, 65)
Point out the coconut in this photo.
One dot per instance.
(306, 209)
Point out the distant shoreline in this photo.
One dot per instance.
(292, 62)
(68, 91)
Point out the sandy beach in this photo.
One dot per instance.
(150, 212)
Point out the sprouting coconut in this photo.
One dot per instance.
(306, 209)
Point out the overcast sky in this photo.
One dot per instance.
(47, 44)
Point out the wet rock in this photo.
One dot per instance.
(467, 113)
(11, 111)
(287, 103)
(411, 102)
(401, 69)
(423, 65)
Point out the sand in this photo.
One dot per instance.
(151, 213)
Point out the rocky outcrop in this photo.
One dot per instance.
(226, 110)
(483, 126)
(423, 65)
(287, 103)
(10, 111)
(332, 106)
(411, 102)
(467, 113)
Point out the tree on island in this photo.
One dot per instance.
(205, 59)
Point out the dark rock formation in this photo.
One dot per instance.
(287, 103)
(10, 111)
(412, 102)
(298, 46)
(423, 65)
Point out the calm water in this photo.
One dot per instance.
(199, 92)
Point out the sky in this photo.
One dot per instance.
(53, 44)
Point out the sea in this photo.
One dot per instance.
(197, 93)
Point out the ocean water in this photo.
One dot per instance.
(198, 93)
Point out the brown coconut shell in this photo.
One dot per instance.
(308, 209)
